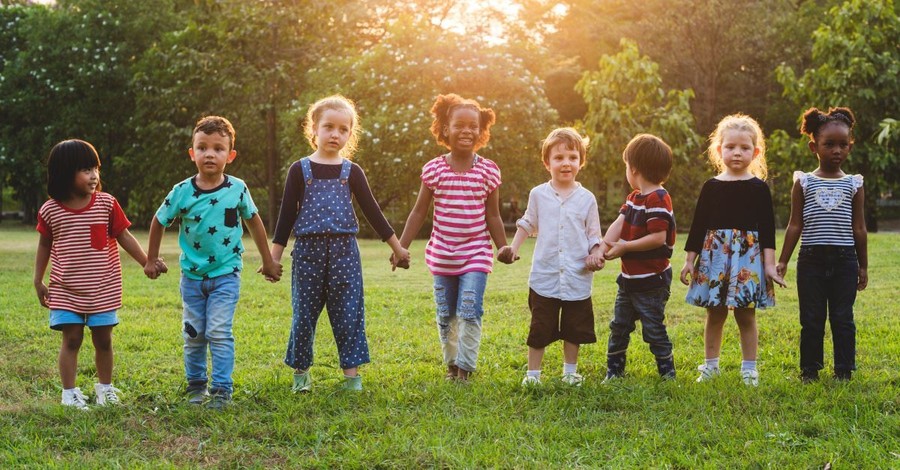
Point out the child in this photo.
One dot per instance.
(79, 227)
(326, 269)
(643, 236)
(736, 248)
(464, 188)
(210, 205)
(564, 217)
(827, 216)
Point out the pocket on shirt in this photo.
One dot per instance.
(231, 217)
(99, 236)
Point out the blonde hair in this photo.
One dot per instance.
(743, 123)
(336, 103)
(568, 136)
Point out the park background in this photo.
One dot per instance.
(133, 77)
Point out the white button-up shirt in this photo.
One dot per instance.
(566, 229)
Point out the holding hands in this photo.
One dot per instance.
(399, 259)
(773, 275)
(507, 255)
(616, 249)
(155, 267)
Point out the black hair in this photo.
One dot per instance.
(814, 120)
(443, 108)
(67, 158)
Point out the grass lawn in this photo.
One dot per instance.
(408, 416)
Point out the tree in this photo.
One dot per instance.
(856, 63)
(625, 97)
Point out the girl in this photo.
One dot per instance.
(464, 188)
(79, 227)
(731, 253)
(827, 216)
(326, 271)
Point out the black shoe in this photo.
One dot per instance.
(843, 375)
(219, 398)
(809, 376)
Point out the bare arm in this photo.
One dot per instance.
(270, 269)
(277, 252)
(494, 221)
(614, 231)
(860, 238)
(40, 269)
(132, 247)
(416, 216)
(156, 233)
(793, 231)
(648, 242)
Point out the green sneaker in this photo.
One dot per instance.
(352, 383)
(302, 382)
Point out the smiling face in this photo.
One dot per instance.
(832, 146)
(563, 164)
(737, 151)
(333, 131)
(211, 152)
(86, 181)
(463, 130)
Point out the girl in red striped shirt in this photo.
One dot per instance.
(79, 227)
(464, 188)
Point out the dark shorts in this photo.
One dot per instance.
(575, 324)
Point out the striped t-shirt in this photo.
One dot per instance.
(85, 272)
(460, 241)
(645, 214)
(828, 208)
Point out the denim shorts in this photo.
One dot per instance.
(61, 318)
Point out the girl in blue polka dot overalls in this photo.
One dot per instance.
(326, 271)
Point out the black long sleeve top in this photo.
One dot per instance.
(743, 204)
(295, 189)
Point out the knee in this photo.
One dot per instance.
(440, 300)
(102, 344)
(72, 344)
(470, 308)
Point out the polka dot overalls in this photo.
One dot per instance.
(326, 272)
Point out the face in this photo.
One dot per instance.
(631, 176)
(211, 152)
(738, 151)
(832, 145)
(86, 181)
(333, 131)
(563, 164)
(463, 129)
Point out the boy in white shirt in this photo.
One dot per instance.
(563, 215)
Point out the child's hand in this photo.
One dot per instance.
(43, 293)
(863, 275)
(781, 269)
(616, 250)
(151, 269)
(507, 255)
(772, 273)
(161, 267)
(399, 259)
(686, 272)
(595, 262)
(271, 270)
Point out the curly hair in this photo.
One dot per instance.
(443, 109)
(743, 123)
(216, 125)
(814, 120)
(568, 137)
(336, 103)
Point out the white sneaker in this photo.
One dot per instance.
(75, 399)
(531, 381)
(106, 395)
(750, 377)
(573, 379)
(707, 373)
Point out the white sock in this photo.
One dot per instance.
(103, 387)
(748, 365)
(712, 363)
(569, 368)
(533, 373)
(69, 391)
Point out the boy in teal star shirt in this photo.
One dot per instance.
(210, 205)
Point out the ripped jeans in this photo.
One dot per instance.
(459, 302)
(208, 315)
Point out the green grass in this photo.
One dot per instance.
(408, 416)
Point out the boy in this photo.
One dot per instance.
(564, 217)
(643, 236)
(209, 204)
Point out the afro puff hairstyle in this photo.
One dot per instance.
(442, 110)
(814, 120)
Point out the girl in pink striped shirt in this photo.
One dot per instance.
(464, 187)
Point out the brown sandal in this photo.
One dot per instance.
(452, 371)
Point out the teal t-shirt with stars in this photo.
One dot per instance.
(210, 234)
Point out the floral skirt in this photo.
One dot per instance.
(730, 272)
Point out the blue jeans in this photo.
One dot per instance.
(826, 287)
(459, 301)
(209, 306)
(650, 308)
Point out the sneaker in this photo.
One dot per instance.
(75, 399)
(196, 391)
(843, 375)
(106, 395)
(612, 377)
(573, 379)
(707, 373)
(219, 398)
(352, 383)
(750, 377)
(302, 382)
(452, 372)
(531, 381)
(809, 376)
